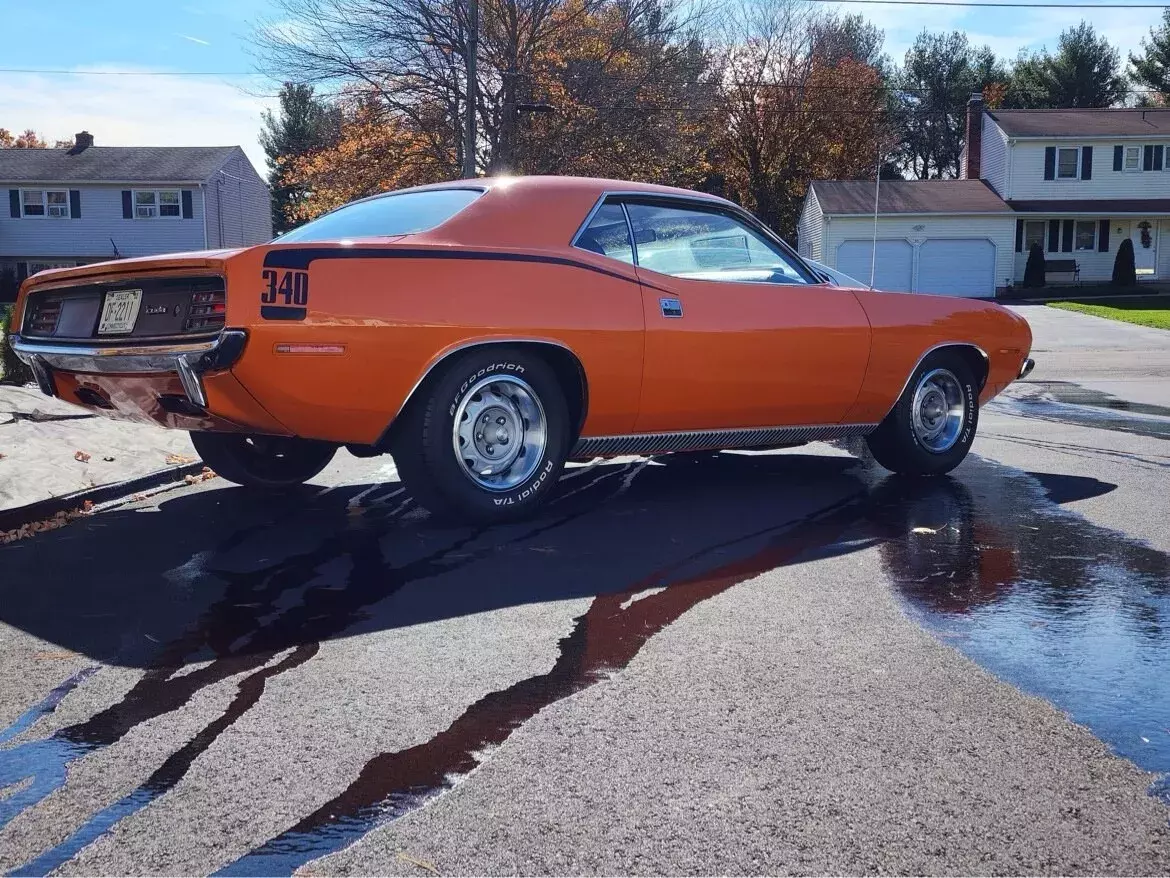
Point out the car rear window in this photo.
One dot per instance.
(403, 214)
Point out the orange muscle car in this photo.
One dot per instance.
(486, 331)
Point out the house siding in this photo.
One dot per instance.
(1027, 173)
(810, 229)
(239, 207)
(1097, 266)
(994, 162)
(89, 237)
(999, 230)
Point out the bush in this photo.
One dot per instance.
(1034, 270)
(1124, 272)
(12, 370)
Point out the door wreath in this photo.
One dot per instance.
(1147, 241)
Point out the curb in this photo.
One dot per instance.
(11, 519)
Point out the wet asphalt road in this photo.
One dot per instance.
(732, 663)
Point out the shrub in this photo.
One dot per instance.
(12, 370)
(1034, 270)
(1124, 272)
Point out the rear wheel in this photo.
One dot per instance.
(931, 427)
(488, 440)
(263, 461)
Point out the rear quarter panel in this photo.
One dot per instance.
(396, 314)
(905, 326)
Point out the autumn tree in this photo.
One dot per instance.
(1085, 71)
(792, 114)
(304, 124)
(28, 139)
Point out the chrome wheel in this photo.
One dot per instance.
(500, 432)
(939, 410)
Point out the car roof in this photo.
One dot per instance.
(533, 211)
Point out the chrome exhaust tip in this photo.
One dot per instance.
(1026, 369)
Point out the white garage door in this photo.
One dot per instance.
(962, 267)
(894, 262)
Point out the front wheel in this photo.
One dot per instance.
(271, 462)
(488, 440)
(931, 427)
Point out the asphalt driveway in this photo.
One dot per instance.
(732, 663)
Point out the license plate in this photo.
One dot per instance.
(120, 311)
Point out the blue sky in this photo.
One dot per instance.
(210, 36)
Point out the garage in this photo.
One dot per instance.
(956, 267)
(895, 263)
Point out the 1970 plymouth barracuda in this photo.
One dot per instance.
(486, 331)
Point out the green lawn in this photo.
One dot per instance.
(1142, 310)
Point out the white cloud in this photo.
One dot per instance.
(194, 39)
(139, 109)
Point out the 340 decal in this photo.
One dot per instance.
(287, 287)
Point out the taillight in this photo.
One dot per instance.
(207, 311)
(42, 316)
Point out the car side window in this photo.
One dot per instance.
(608, 233)
(707, 245)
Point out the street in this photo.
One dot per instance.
(780, 662)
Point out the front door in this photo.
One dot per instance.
(736, 334)
(1144, 234)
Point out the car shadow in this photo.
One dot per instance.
(225, 571)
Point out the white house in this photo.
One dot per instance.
(91, 203)
(1076, 182)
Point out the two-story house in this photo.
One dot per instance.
(92, 203)
(1076, 182)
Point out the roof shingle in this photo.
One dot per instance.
(850, 197)
(1083, 123)
(113, 164)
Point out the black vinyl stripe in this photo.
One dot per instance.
(299, 258)
(282, 312)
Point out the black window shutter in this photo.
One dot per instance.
(75, 203)
(1019, 236)
(1148, 158)
(1118, 157)
(127, 205)
(1086, 163)
(1054, 236)
(21, 271)
(14, 203)
(1066, 238)
(1103, 236)
(1050, 163)
(1158, 150)
(188, 211)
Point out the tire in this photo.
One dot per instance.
(934, 439)
(498, 476)
(271, 462)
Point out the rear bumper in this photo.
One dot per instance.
(189, 361)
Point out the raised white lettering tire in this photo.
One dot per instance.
(488, 440)
(931, 427)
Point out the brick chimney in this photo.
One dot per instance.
(974, 139)
(82, 141)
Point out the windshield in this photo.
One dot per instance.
(404, 214)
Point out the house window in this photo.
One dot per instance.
(35, 267)
(1033, 234)
(1133, 158)
(153, 204)
(1086, 235)
(45, 203)
(1067, 162)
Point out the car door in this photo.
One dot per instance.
(738, 332)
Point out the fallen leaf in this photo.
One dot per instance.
(179, 458)
(415, 861)
(2, 456)
(81, 455)
(87, 506)
(138, 497)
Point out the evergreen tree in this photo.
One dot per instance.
(1152, 68)
(305, 123)
(1084, 72)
